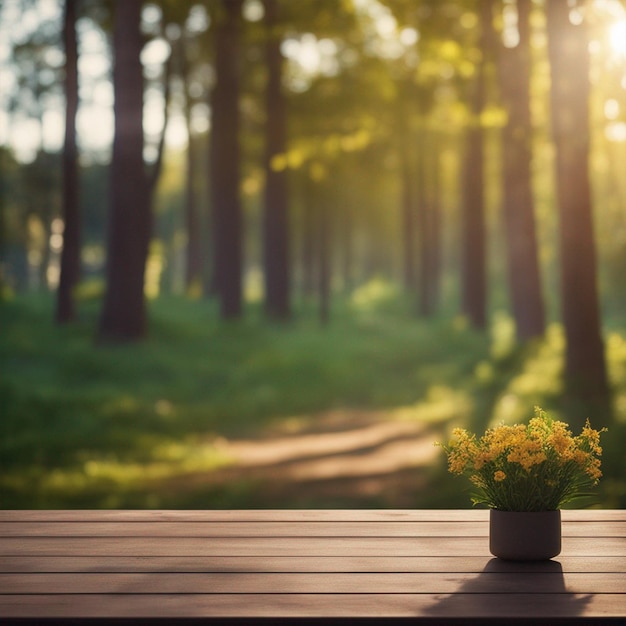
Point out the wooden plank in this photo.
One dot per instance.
(235, 582)
(584, 515)
(244, 529)
(529, 606)
(300, 563)
(299, 515)
(247, 515)
(288, 546)
(285, 529)
(320, 564)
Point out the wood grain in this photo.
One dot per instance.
(301, 564)
(529, 606)
(290, 582)
(297, 515)
(390, 547)
(317, 564)
(209, 529)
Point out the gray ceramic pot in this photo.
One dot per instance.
(524, 535)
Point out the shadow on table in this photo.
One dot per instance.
(502, 591)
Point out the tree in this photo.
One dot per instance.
(428, 213)
(473, 254)
(225, 161)
(276, 214)
(407, 174)
(123, 315)
(4, 159)
(70, 255)
(193, 265)
(585, 368)
(517, 206)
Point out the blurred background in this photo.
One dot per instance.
(264, 253)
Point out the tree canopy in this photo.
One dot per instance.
(291, 151)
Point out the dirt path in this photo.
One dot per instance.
(347, 458)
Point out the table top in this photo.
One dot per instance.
(426, 566)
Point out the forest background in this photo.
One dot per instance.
(262, 253)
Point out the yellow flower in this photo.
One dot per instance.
(527, 453)
(591, 438)
(561, 440)
(540, 465)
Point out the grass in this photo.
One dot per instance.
(113, 426)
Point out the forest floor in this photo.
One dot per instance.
(356, 457)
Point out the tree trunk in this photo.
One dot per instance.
(70, 254)
(346, 248)
(518, 208)
(225, 163)
(193, 250)
(428, 224)
(309, 239)
(586, 381)
(324, 248)
(193, 264)
(276, 218)
(435, 258)
(407, 173)
(157, 167)
(124, 310)
(474, 280)
(473, 253)
(3, 228)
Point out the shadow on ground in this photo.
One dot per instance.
(341, 458)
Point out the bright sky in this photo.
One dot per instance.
(307, 54)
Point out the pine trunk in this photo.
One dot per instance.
(193, 250)
(473, 257)
(70, 254)
(407, 173)
(585, 367)
(225, 163)
(308, 239)
(428, 224)
(124, 310)
(518, 206)
(473, 252)
(324, 247)
(276, 218)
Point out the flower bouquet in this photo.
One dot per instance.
(527, 468)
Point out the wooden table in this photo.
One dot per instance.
(430, 567)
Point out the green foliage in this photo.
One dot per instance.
(137, 426)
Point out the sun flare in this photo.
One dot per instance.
(617, 37)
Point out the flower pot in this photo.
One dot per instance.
(524, 535)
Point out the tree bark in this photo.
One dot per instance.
(193, 249)
(587, 389)
(276, 216)
(518, 206)
(436, 229)
(225, 163)
(124, 310)
(3, 228)
(346, 247)
(309, 239)
(325, 252)
(428, 224)
(473, 253)
(407, 173)
(70, 254)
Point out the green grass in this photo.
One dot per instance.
(112, 426)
